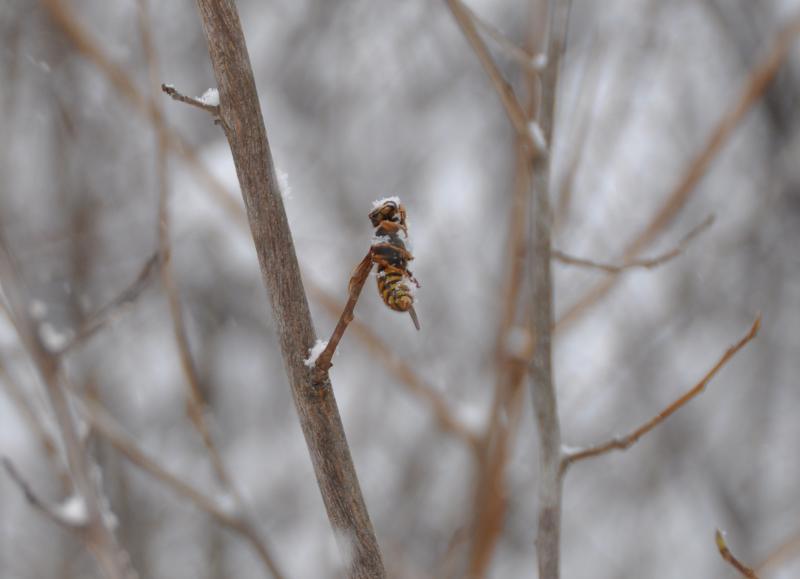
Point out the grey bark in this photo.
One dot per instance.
(241, 118)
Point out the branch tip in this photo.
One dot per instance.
(209, 102)
(625, 442)
(725, 553)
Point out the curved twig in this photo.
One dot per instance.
(625, 442)
(726, 554)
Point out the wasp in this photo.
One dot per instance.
(390, 254)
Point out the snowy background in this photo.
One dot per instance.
(365, 99)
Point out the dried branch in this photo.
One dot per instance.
(196, 402)
(514, 111)
(195, 399)
(404, 372)
(315, 401)
(789, 548)
(625, 442)
(496, 444)
(26, 410)
(98, 536)
(650, 263)
(729, 557)
(98, 320)
(357, 280)
(754, 88)
(548, 535)
(116, 75)
(519, 55)
(195, 102)
(39, 504)
(107, 427)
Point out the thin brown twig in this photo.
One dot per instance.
(107, 427)
(196, 404)
(39, 504)
(789, 548)
(98, 536)
(357, 280)
(625, 442)
(583, 122)
(514, 111)
(121, 81)
(221, 194)
(117, 77)
(100, 318)
(34, 422)
(489, 501)
(649, 263)
(407, 375)
(753, 89)
(517, 54)
(195, 102)
(726, 554)
(195, 398)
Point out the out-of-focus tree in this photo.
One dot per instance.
(177, 414)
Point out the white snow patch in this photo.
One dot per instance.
(314, 353)
(283, 183)
(210, 97)
(37, 309)
(472, 416)
(73, 511)
(537, 135)
(44, 66)
(539, 62)
(52, 338)
(228, 504)
(567, 450)
(379, 202)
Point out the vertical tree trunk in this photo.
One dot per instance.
(242, 121)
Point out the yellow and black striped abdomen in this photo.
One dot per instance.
(393, 288)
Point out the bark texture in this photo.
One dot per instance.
(241, 119)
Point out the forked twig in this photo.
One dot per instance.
(404, 372)
(519, 55)
(39, 504)
(754, 88)
(196, 402)
(649, 263)
(514, 110)
(117, 76)
(200, 103)
(107, 427)
(28, 413)
(97, 321)
(629, 440)
(98, 536)
(726, 554)
(357, 280)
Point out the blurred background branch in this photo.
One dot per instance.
(665, 113)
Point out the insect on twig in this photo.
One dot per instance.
(396, 283)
